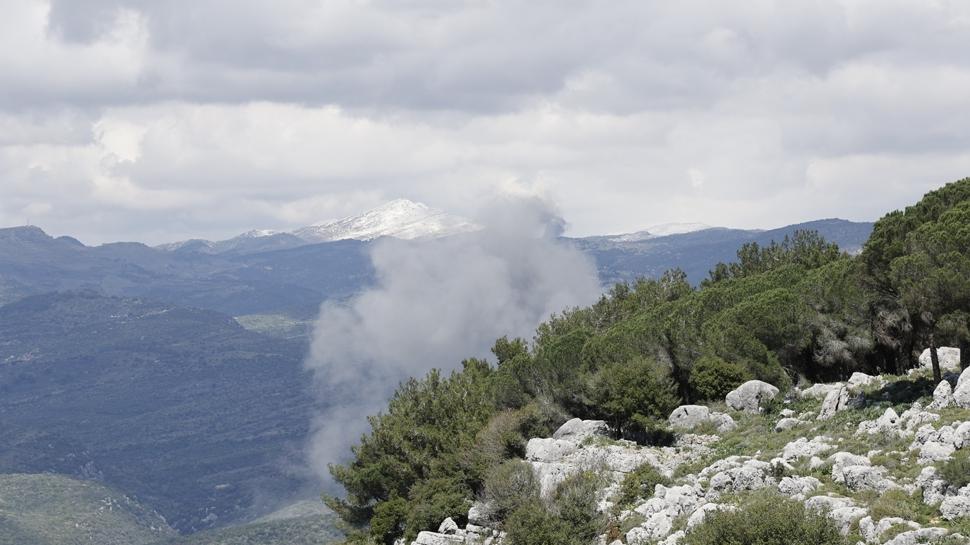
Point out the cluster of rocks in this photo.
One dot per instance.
(584, 445)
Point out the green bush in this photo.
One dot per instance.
(956, 470)
(387, 523)
(432, 501)
(575, 504)
(768, 519)
(634, 387)
(639, 484)
(712, 377)
(648, 430)
(570, 519)
(510, 485)
(532, 524)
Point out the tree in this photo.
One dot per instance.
(933, 277)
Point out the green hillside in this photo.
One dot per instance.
(43, 509)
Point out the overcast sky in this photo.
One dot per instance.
(158, 121)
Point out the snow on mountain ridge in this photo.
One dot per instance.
(400, 218)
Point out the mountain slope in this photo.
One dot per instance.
(44, 509)
(181, 407)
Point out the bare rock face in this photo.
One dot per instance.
(859, 381)
(578, 430)
(689, 417)
(942, 396)
(835, 401)
(751, 396)
(961, 396)
(949, 358)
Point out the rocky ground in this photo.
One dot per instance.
(866, 452)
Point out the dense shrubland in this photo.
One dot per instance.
(794, 311)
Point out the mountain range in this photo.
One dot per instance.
(173, 374)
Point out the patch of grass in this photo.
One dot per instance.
(956, 470)
(897, 503)
(639, 484)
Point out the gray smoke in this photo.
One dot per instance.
(436, 303)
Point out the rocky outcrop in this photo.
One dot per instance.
(961, 395)
(751, 396)
(690, 417)
(949, 358)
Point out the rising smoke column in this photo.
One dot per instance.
(434, 304)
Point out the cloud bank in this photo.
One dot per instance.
(160, 121)
(436, 303)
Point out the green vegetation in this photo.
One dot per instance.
(956, 470)
(45, 509)
(789, 312)
(767, 519)
(639, 484)
(570, 518)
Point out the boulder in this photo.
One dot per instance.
(448, 527)
(687, 417)
(836, 400)
(949, 358)
(942, 396)
(819, 391)
(887, 424)
(934, 487)
(961, 395)
(955, 507)
(805, 448)
(699, 514)
(434, 538)
(787, 424)
(578, 430)
(548, 450)
(860, 381)
(872, 531)
(798, 487)
(751, 396)
(914, 537)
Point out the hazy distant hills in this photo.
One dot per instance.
(127, 365)
(293, 278)
(181, 408)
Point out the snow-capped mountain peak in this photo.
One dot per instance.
(400, 218)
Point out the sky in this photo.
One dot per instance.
(160, 121)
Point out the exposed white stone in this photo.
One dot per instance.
(751, 396)
(578, 430)
(805, 448)
(872, 531)
(699, 514)
(933, 486)
(548, 450)
(798, 487)
(434, 538)
(688, 417)
(448, 526)
(836, 400)
(787, 424)
(861, 381)
(480, 513)
(942, 395)
(723, 422)
(819, 391)
(961, 395)
(887, 424)
(923, 535)
(949, 358)
(955, 507)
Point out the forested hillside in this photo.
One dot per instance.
(793, 312)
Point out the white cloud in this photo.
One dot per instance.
(159, 121)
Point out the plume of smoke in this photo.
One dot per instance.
(436, 303)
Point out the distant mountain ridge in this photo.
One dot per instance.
(399, 218)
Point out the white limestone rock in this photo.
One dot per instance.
(751, 396)
(949, 358)
(434, 538)
(787, 424)
(872, 531)
(448, 527)
(548, 450)
(934, 487)
(836, 400)
(923, 535)
(578, 430)
(819, 391)
(697, 517)
(806, 448)
(798, 488)
(956, 507)
(961, 395)
(687, 417)
(942, 396)
(860, 381)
